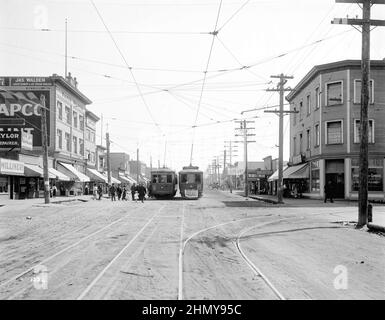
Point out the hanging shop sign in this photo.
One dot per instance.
(10, 137)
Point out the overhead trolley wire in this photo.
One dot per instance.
(214, 33)
(128, 66)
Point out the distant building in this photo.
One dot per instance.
(324, 135)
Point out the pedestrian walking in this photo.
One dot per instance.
(113, 192)
(133, 191)
(54, 190)
(119, 192)
(141, 192)
(100, 191)
(95, 192)
(328, 189)
(124, 193)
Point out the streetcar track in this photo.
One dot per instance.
(16, 277)
(97, 278)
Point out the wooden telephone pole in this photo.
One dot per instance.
(44, 144)
(243, 127)
(280, 88)
(365, 23)
(108, 158)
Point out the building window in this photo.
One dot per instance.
(59, 110)
(81, 146)
(81, 122)
(294, 146)
(88, 155)
(375, 174)
(334, 93)
(68, 142)
(75, 114)
(308, 105)
(357, 131)
(75, 142)
(317, 98)
(59, 139)
(316, 135)
(315, 176)
(88, 135)
(334, 132)
(300, 110)
(68, 115)
(294, 116)
(300, 143)
(308, 142)
(357, 91)
(92, 156)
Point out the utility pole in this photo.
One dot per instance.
(137, 165)
(280, 88)
(244, 129)
(65, 54)
(108, 158)
(44, 144)
(230, 147)
(365, 23)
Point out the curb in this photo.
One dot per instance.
(375, 227)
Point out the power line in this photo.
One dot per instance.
(128, 66)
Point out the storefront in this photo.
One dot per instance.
(96, 178)
(77, 181)
(11, 171)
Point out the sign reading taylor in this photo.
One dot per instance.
(10, 137)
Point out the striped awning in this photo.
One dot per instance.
(33, 170)
(72, 172)
(59, 176)
(95, 175)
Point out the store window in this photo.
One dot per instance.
(334, 93)
(334, 132)
(315, 176)
(3, 185)
(375, 174)
(357, 131)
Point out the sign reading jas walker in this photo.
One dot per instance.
(25, 104)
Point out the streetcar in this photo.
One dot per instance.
(163, 184)
(191, 182)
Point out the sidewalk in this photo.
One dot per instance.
(26, 203)
(378, 211)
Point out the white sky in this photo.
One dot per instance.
(172, 35)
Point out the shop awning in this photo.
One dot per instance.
(300, 171)
(72, 172)
(124, 179)
(134, 181)
(33, 170)
(114, 180)
(59, 176)
(274, 176)
(95, 175)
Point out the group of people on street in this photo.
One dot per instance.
(121, 193)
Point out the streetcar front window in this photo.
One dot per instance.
(198, 178)
(190, 178)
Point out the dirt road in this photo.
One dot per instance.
(218, 247)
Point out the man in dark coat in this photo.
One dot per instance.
(112, 192)
(329, 191)
(133, 190)
(141, 192)
(100, 191)
(119, 192)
